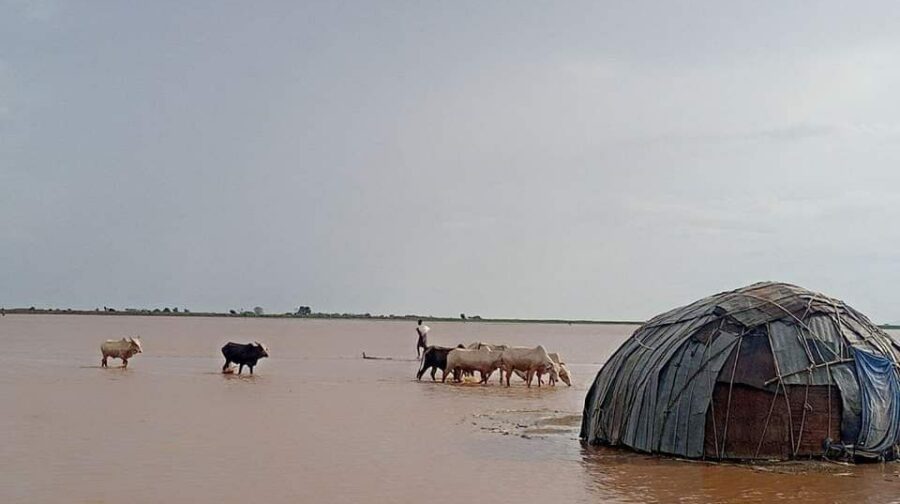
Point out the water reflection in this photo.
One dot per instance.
(622, 476)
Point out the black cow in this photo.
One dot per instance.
(434, 357)
(243, 355)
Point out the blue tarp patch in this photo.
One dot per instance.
(879, 392)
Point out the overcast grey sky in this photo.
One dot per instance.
(527, 159)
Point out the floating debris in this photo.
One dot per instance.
(373, 357)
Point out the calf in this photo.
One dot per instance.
(120, 349)
(434, 357)
(564, 374)
(243, 355)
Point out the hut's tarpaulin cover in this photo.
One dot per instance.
(654, 393)
(880, 401)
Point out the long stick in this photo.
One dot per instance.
(712, 404)
(787, 400)
(809, 369)
(803, 417)
(737, 356)
(766, 427)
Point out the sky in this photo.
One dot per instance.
(589, 160)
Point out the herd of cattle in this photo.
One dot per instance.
(527, 363)
(524, 362)
(237, 353)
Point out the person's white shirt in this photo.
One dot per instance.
(423, 329)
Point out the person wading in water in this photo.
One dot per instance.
(422, 342)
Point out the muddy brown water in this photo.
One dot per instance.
(317, 423)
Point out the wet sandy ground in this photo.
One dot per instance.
(317, 423)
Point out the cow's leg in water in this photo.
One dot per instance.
(225, 367)
(124, 362)
(433, 371)
(251, 368)
(103, 362)
(240, 368)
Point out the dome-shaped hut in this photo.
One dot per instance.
(767, 371)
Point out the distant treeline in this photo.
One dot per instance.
(302, 312)
(307, 313)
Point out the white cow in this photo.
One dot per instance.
(483, 360)
(531, 361)
(564, 374)
(492, 346)
(120, 349)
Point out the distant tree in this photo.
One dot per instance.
(462, 316)
(185, 310)
(476, 317)
(175, 310)
(258, 310)
(167, 310)
(232, 312)
(304, 311)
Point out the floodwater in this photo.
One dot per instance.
(317, 423)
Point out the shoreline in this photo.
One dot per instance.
(326, 316)
(315, 316)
